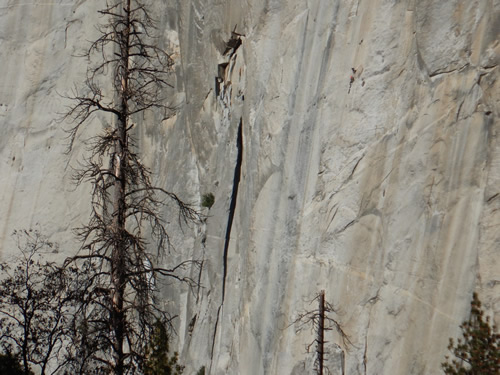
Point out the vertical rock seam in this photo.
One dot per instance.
(232, 208)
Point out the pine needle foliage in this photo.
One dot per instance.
(478, 352)
(158, 361)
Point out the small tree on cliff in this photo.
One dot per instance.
(320, 321)
(478, 353)
(118, 308)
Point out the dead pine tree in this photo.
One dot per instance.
(320, 340)
(320, 321)
(126, 236)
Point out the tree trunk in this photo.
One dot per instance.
(119, 205)
(25, 342)
(321, 331)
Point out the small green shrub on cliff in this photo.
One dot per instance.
(207, 200)
(478, 353)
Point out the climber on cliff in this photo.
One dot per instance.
(351, 80)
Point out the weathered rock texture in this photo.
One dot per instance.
(382, 189)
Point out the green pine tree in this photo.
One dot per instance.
(158, 361)
(478, 353)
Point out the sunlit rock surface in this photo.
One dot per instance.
(368, 166)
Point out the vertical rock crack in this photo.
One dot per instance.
(232, 209)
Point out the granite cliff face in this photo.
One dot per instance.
(351, 146)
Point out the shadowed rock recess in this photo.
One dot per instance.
(352, 146)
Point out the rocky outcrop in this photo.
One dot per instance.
(367, 165)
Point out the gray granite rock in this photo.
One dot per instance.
(369, 167)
